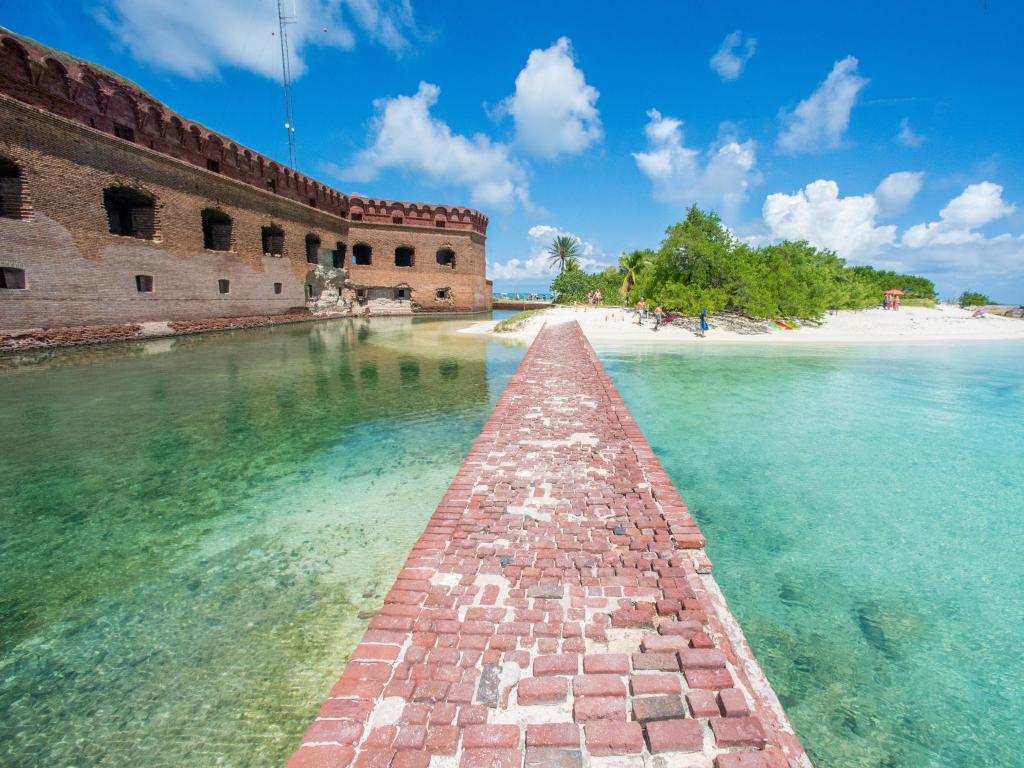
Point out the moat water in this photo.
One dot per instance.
(192, 528)
(196, 529)
(863, 508)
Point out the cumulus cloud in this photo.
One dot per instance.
(726, 61)
(536, 264)
(553, 107)
(975, 207)
(819, 215)
(949, 247)
(196, 38)
(719, 176)
(820, 120)
(407, 137)
(896, 190)
(907, 137)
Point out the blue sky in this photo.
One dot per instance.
(889, 132)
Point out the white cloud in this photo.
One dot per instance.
(821, 120)
(819, 215)
(720, 176)
(408, 137)
(896, 190)
(726, 62)
(554, 108)
(907, 137)
(976, 206)
(196, 38)
(537, 263)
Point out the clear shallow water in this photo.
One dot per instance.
(193, 526)
(863, 510)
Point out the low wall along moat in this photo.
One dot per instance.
(558, 610)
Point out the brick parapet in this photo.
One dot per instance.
(95, 97)
(558, 607)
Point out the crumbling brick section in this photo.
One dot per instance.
(558, 610)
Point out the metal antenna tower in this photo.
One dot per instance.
(286, 78)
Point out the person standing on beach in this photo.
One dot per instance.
(659, 314)
(597, 296)
(703, 322)
(641, 310)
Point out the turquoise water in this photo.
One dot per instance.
(195, 529)
(863, 510)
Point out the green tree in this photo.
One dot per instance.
(563, 251)
(973, 299)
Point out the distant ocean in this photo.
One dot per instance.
(863, 508)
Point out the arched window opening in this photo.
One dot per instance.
(273, 241)
(144, 283)
(12, 278)
(362, 254)
(13, 200)
(216, 230)
(396, 219)
(309, 292)
(439, 223)
(278, 287)
(312, 247)
(339, 255)
(446, 257)
(223, 286)
(404, 256)
(130, 212)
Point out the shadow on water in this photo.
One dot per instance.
(193, 527)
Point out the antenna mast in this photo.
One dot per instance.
(286, 78)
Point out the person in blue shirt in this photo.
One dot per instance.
(703, 320)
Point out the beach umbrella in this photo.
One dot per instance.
(894, 292)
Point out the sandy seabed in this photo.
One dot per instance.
(946, 322)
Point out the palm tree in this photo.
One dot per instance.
(630, 265)
(564, 250)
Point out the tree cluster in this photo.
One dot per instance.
(701, 265)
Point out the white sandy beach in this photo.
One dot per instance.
(946, 322)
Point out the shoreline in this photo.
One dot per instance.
(610, 326)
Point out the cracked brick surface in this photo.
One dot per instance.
(559, 591)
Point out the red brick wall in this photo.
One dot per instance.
(78, 273)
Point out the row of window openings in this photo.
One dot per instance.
(14, 278)
(439, 223)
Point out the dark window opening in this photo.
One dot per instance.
(213, 165)
(396, 219)
(273, 240)
(362, 254)
(12, 278)
(130, 212)
(439, 223)
(144, 283)
(216, 230)
(404, 256)
(312, 201)
(312, 248)
(361, 294)
(223, 286)
(278, 287)
(357, 217)
(444, 293)
(13, 204)
(309, 291)
(338, 257)
(401, 293)
(446, 257)
(272, 185)
(124, 132)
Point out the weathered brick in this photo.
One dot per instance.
(542, 690)
(664, 662)
(702, 703)
(490, 737)
(599, 708)
(553, 735)
(608, 737)
(674, 736)
(491, 758)
(598, 685)
(327, 756)
(738, 732)
(701, 658)
(553, 757)
(606, 663)
(648, 708)
(709, 678)
(556, 664)
(733, 703)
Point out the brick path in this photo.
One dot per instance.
(557, 612)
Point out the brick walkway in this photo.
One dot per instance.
(558, 610)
